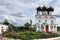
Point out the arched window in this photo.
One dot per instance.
(39, 20)
(42, 26)
(45, 21)
(51, 21)
(44, 13)
(54, 26)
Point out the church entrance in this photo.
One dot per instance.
(47, 28)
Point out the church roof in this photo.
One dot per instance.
(50, 9)
(44, 8)
(39, 9)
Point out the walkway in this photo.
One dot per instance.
(57, 38)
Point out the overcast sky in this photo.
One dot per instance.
(18, 12)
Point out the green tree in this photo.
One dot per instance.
(27, 26)
(6, 22)
(12, 27)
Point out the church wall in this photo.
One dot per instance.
(42, 19)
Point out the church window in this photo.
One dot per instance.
(48, 13)
(45, 21)
(51, 21)
(42, 26)
(39, 20)
(44, 13)
(54, 27)
(37, 13)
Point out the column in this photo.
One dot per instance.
(36, 28)
(44, 28)
(53, 29)
(56, 28)
(49, 28)
(40, 28)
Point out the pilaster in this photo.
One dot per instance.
(49, 28)
(40, 27)
(44, 28)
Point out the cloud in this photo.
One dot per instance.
(20, 11)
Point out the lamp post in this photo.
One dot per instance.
(30, 27)
(31, 24)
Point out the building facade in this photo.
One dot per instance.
(3, 28)
(45, 19)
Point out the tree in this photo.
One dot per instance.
(6, 22)
(12, 27)
(27, 25)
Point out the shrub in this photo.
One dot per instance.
(31, 35)
(9, 34)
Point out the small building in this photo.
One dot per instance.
(3, 28)
(45, 19)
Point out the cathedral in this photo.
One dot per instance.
(45, 19)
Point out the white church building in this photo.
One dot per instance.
(45, 19)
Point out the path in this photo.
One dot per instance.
(57, 38)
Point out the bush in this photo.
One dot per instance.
(9, 34)
(6, 33)
(32, 35)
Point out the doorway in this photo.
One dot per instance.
(47, 29)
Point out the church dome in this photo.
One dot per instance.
(50, 9)
(44, 8)
(39, 9)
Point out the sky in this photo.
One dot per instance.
(18, 12)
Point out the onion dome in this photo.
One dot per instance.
(45, 8)
(39, 9)
(50, 9)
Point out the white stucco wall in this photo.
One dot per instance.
(5, 27)
(42, 19)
